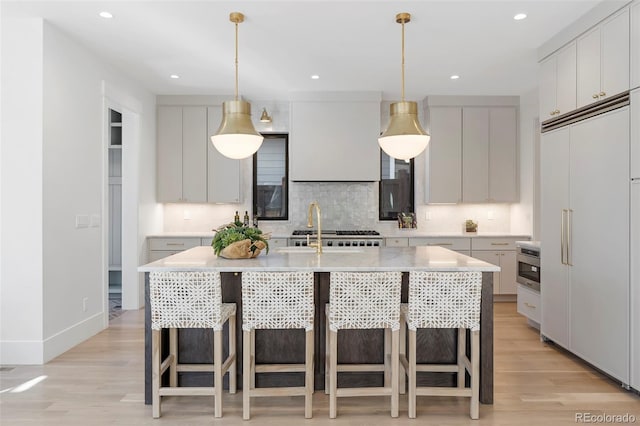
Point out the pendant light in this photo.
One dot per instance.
(236, 137)
(404, 138)
(265, 117)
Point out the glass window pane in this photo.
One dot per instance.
(396, 187)
(270, 190)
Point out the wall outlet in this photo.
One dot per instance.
(491, 215)
(82, 221)
(427, 216)
(84, 304)
(186, 215)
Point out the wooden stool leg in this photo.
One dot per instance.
(412, 374)
(333, 373)
(475, 374)
(246, 374)
(217, 372)
(387, 357)
(403, 353)
(308, 380)
(233, 378)
(327, 355)
(395, 360)
(252, 371)
(462, 354)
(156, 379)
(173, 352)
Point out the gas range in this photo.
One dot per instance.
(340, 238)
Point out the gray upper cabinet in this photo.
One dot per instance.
(181, 156)
(223, 174)
(334, 136)
(635, 45)
(472, 155)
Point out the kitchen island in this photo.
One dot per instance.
(356, 346)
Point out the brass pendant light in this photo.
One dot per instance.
(404, 138)
(265, 117)
(236, 137)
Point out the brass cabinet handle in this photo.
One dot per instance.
(569, 237)
(562, 237)
(603, 94)
(557, 111)
(529, 305)
(552, 113)
(439, 244)
(595, 96)
(499, 244)
(175, 244)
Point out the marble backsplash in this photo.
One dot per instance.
(345, 205)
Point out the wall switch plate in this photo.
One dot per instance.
(95, 220)
(82, 221)
(186, 215)
(427, 216)
(84, 304)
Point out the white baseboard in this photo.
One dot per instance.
(38, 352)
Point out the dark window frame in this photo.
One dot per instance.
(412, 196)
(285, 192)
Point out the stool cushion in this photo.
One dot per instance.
(444, 300)
(187, 299)
(277, 300)
(364, 300)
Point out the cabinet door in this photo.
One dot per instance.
(445, 152)
(635, 45)
(508, 266)
(554, 286)
(223, 173)
(588, 71)
(566, 79)
(169, 154)
(635, 134)
(599, 242)
(492, 257)
(615, 55)
(503, 137)
(475, 155)
(194, 154)
(547, 78)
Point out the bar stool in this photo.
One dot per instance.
(363, 300)
(444, 300)
(276, 300)
(189, 300)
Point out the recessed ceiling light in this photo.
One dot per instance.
(315, 77)
(174, 76)
(106, 15)
(454, 77)
(520, 16)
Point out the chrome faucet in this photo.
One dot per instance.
(318, 243)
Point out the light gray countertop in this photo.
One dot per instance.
(399, 233)
(335, 259)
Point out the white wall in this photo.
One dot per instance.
(61, 147)
(21, 180)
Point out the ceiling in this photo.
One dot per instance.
(351, 45)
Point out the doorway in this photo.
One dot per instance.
(115, 213)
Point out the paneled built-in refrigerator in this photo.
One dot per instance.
(635, 240)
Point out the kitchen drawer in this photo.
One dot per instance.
(161, 254)
(529, 303)
(449, 243)
(396, 242)
(506, 243)
(278, 242)
(178, 244)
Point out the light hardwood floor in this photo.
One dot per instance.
(100, 382)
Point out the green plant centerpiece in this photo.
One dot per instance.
(236, 241)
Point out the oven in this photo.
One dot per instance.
(347, 238)
(528, 264)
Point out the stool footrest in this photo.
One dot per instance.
(280, 368)
(279, 391)
(166, 364)
(368, 391)
(438, 368)
(442, 391)
(360, 367)
(187, 391)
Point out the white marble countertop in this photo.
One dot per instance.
(334, 259)
(398, 233)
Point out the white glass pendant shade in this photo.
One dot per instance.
(404, 138)
(236, 137)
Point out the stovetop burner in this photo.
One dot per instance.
(304, 232)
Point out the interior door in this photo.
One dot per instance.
(599, 242)
(554, 278)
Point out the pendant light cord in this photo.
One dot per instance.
(236, 61)
(403, 60)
